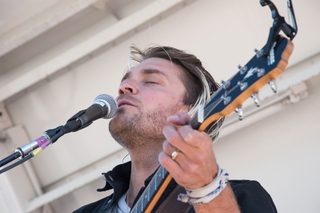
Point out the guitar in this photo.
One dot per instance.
(265, 66)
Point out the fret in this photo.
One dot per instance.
(141, 205)
(155, 182)
(162, 172)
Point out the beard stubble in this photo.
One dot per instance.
(141, 129)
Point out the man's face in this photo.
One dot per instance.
(148, 94)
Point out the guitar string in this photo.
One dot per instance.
(217, 125)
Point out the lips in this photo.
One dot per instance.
(124, 102)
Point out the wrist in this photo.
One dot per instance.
(208, 192)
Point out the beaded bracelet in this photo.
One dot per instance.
(208, 192)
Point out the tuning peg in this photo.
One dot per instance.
(243, 85)
(226, 84)
(226, 100)
(240, 112)
(243, 70)
(273, 85)
(256, 99)
(260, 72)
(259, 53)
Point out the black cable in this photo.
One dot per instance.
(17, 163)
(55, 137)
(9, 158)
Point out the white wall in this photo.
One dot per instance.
(279, 151)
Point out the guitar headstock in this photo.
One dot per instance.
(258, 72)
(266, 65)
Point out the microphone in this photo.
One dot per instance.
(104, 106)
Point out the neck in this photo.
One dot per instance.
(144, 163)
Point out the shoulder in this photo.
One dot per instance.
(252, 197)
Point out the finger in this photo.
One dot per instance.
(168, 148)
(181, 118)
(171, 165)
(182, 173)
(177, 155)
(175, 139)
(194, 137)
(187, 133)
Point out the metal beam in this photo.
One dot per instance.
(109, 36)
(41, 23)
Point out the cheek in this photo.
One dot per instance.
(167, 102)
(152, 100)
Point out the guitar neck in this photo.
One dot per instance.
(153, 191)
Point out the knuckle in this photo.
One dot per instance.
(168, 149)
(200, 158)
(174, 137)
(202, 139)
(164, 160)
(187, 133)
(165, 146)
(186, 129)
(197, 159)
(202, 136)
(189, 137)
(165, 129)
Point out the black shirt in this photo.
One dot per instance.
(250, 195)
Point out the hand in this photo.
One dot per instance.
(195, 165)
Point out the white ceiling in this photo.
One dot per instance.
(31, 18)
(24, 11)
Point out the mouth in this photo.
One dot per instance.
(124, 102)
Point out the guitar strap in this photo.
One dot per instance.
(172, 205)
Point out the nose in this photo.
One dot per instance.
(127, 87)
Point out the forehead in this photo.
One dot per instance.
(156, 66)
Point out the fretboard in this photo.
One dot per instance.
(153, 191)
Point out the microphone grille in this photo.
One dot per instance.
(110, 102)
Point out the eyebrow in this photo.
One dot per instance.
(144, 72)
(126, 76)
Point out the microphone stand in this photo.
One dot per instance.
(30, 150)
(50, 136)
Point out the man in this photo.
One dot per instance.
(152, 124)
